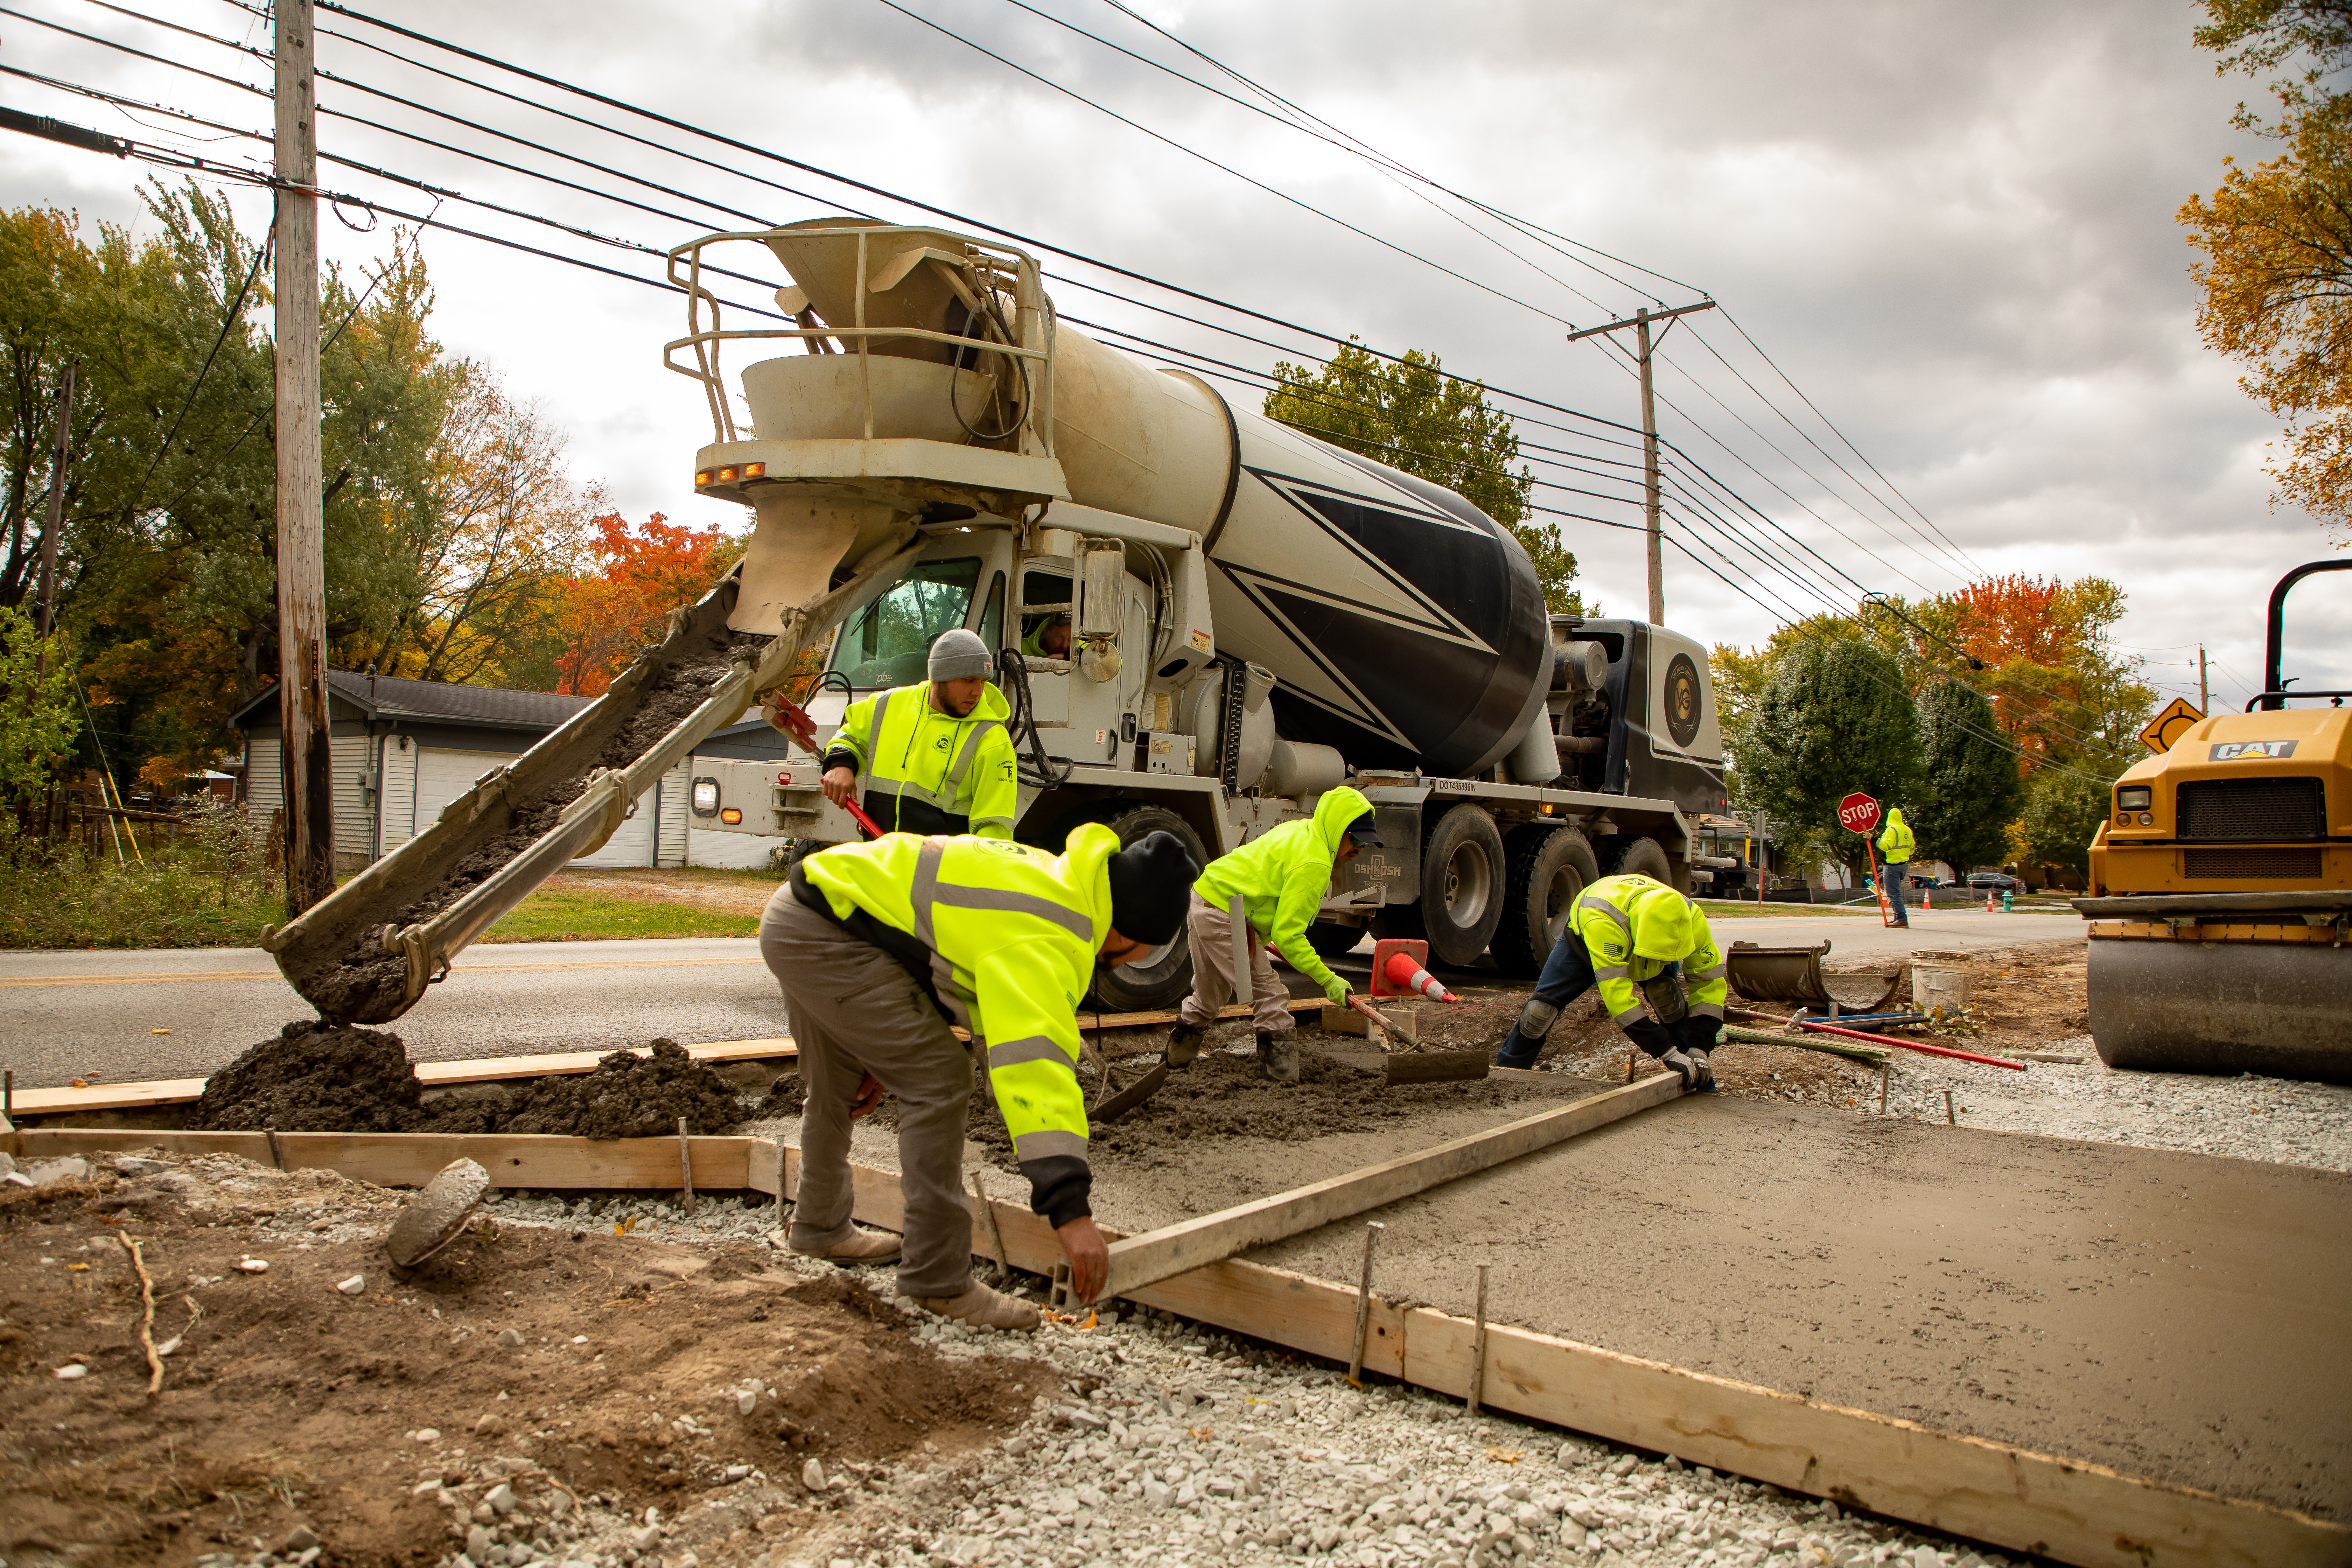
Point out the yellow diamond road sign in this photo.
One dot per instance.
(2169, 725)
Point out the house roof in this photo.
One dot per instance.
(391, 699)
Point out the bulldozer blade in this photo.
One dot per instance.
(2275, 1009)
(1128, 1099)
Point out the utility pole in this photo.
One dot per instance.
(57, 521)
(1640, 321)
(306, 751)
(2204, 697)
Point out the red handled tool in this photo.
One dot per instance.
(793, 721)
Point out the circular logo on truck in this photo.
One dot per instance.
(1682, 699)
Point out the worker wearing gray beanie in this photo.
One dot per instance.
(959, 655)
(934, 757)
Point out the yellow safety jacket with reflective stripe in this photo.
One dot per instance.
(908, 754)
(1013, 934)
(1897, 844)
(1635, 927)
(1282, 877)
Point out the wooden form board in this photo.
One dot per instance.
(1178, 1249)
(2063, 1509)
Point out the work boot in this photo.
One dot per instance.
(863, 1247)
(1183, 1045)
(981, 1307)
(1277, 1056)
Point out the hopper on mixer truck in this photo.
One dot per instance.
(2222, 893)
(1257, 616)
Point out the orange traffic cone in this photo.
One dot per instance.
(1407, 975)
(1991, 907)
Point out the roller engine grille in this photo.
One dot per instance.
(2239, 810)
(2252, 864)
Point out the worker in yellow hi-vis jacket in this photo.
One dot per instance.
(878, 947)
(1637, 940)
(1895, 848)
(936, 756)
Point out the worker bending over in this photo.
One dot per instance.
(1627, 935)
(1281, 878)
(879, 946)
(1895, 848)
(936, 755)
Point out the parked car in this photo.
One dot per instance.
(1996, 880)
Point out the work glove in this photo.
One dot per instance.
(1705, 1084)
(1335, 990)
(1692, 1071)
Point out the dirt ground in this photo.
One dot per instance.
(607, 1368)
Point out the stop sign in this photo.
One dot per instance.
(1858, 812)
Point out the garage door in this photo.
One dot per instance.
(442, 776)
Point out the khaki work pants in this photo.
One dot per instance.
(1211, 931)
(856, 1010)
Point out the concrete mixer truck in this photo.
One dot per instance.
(1254, 616)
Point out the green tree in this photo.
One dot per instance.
(2062, 813)
(1410, 416)
(1832, 719)
(2277, 240)
(1969, 789)
(37, 711)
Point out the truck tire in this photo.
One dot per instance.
(1462, 879)
(1627, 855)
(1546, 869)
(1162, 979)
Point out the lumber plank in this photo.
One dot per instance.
(1162, 1253)
(482, 1070)
(412, 1159)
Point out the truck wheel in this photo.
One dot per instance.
(1546, 869)
(1628, 855)
(1159, 979)
(1462, 884)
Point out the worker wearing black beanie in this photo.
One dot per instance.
(1151, 884)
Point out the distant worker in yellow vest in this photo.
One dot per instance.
(936, 756)
(1281, 879)
(1050, 638)
(1636, 940)
(1895, 848)
(880, 947)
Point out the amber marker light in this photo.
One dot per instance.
(702, 478)
(731, 816)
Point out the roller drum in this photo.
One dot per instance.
(2277, 1010)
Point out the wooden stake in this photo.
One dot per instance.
(1478, 1346)
(1364, 1305)
(779, 1180)
(1949, 1119)
(686, 1171)
(1883, 1071)
(995, 1231)
(277, 1151)
(1629, 1057)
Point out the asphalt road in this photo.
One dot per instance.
(68, 1015)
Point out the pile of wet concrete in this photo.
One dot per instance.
(316, 1077)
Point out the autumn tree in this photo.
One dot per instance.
(2277, 242)
(645, 571)
(1410, 416)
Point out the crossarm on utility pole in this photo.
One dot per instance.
(1640, 320)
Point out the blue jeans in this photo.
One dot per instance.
(1567, 974)
(1892, 882)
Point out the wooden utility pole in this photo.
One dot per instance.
(307, 752)
(1640, 321)
(56, 522)
(2204, 697)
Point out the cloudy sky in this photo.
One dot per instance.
(1952, 228)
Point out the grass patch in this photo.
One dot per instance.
(1733, 909)
(575, 914)
(210, 888)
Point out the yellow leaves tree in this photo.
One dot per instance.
(2277, 240)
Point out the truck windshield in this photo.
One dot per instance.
(887, 642)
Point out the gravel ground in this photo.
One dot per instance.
(2244, 1118)
(1188, 1445)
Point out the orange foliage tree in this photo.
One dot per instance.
(645, 571)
